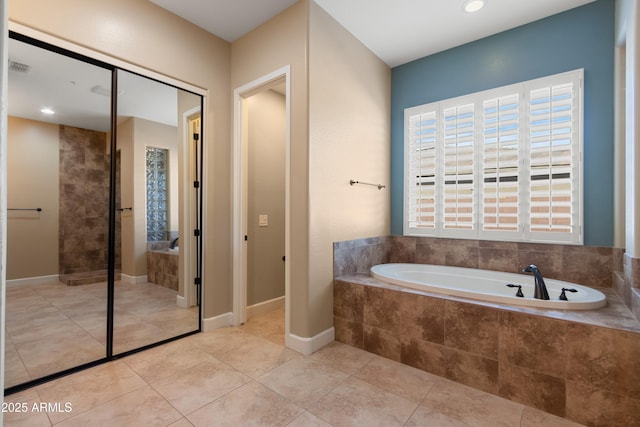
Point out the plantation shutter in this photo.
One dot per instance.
(458, 167)
(551, 135)
(501, 139)
(422, 170)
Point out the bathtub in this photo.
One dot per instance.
(485, 285)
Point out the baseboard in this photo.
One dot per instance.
(181, 301)
(265, 307)
(308, 346)
(135, 280)
(38, 280)
(216, 322)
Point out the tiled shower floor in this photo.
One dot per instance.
(244, 376)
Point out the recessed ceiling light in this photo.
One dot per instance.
(47, 111)
(474, 5)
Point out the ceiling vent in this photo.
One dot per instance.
(18, 67)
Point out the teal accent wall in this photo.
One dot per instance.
(583, 37)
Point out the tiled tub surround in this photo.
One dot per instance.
(579, 365)
(162, 265)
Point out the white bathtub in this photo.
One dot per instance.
(487, 285)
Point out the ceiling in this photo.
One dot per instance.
(397, 31)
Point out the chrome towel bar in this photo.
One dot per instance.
(380, 186)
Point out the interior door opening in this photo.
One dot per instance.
(261, 199)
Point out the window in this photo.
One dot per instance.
(157, 197)
(503, 164)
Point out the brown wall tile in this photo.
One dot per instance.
(604, 358)
(348, 332)
(421, 317)
(472, 328)
(381, 342)
(423, 355)
(348, 300)
(533, 342)
(472, 370)
(596, 407)
(532, 388)
(381, 308)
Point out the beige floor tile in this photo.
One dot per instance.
(303, 380)
(343, 357)
(405, 381)
(142, 407)
(251, 405)
(182, 422)
(472, 406)
(221, 340)
(424, 416)
(357, 403)
(307, 419)
(269, 325)
(59, 352)
(18, 411)
(166, 360)
(193, 388)
(14, 370)
(88, 389)
(535, 418)
(257, 356)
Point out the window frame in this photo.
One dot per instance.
(523, 233)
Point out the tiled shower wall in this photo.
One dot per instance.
(84, 200)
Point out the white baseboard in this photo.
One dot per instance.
(308, 346)
(181, 301)
(38, 280)
(135, 280)
(216, 322)
(265, 307)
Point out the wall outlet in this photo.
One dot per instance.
(263, 220)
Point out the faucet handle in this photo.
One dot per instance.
(519, 292)
(563, 296)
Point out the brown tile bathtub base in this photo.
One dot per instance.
(472, 370)
(381, 308)
(422, 317)
(429, 357)
(348, 332)
(600, 408)
(348, 300)
(381, 342)
(533, 342)
(535, 389)
(472, 328)
(536, 356)
(604, 358)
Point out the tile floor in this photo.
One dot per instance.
(244, 376)
(51, 327)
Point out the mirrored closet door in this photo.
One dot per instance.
(103, 215)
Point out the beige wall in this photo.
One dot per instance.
(266, 126)
(280, 42)
(349, 138)
(141, 33)
(340, 103)
(32, 182)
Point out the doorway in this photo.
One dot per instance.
(261, 198)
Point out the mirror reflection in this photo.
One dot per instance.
(154, 299)
(57, 223)
(59, 163)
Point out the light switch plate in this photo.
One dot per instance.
(263, 220)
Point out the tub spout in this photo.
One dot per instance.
(174, 243)
(540, 291)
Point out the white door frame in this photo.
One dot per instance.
(240, 190)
